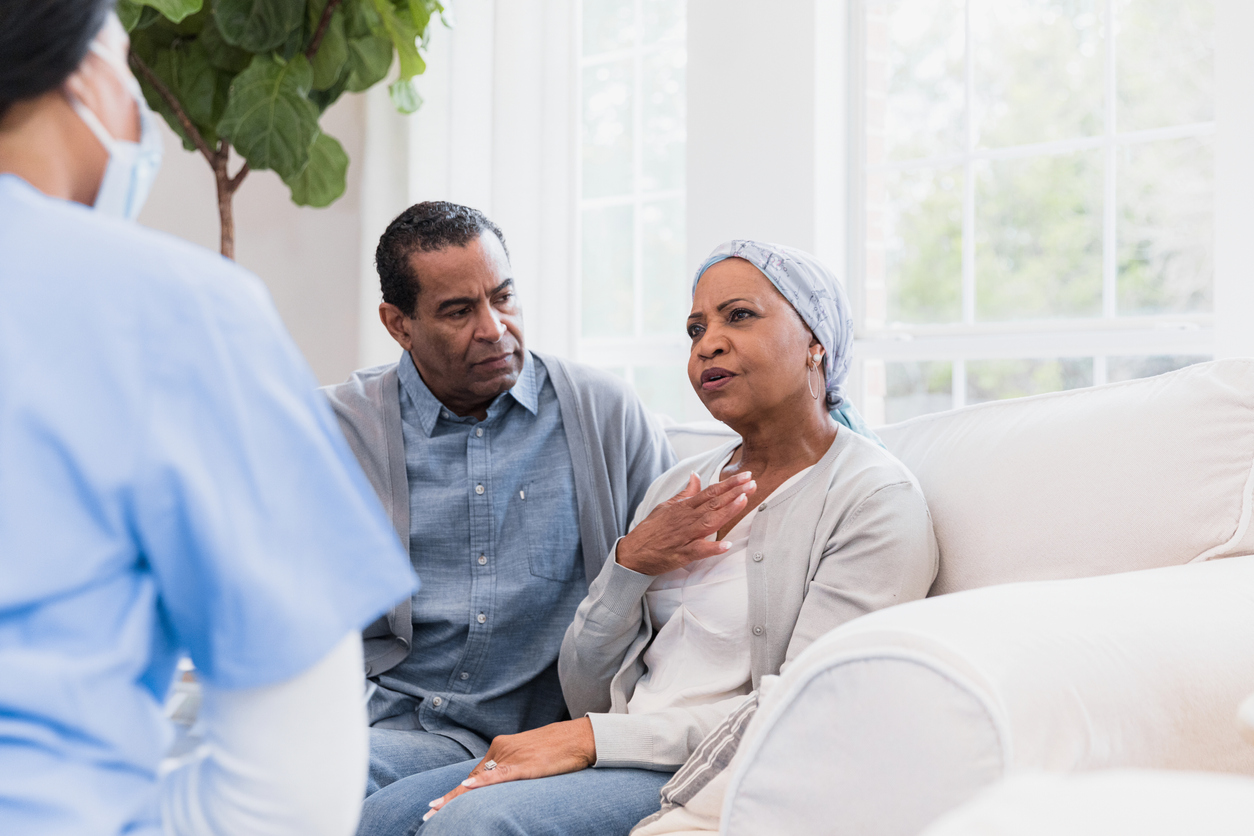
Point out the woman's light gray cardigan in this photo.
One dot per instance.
(852, 536)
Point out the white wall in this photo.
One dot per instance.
(1234, 179)
(766, 102)
(309, 258)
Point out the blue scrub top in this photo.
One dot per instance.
(169, 480)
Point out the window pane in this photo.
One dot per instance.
(666, 389)
(607, 129)
(1166, 62)
(608, 25)
(1131, 368)
(1166, 226)
(995, 380)
(917, 389)
(663, 19)
(607, 270)
(922, 244)
(915, 88)
(665, 285)
(664, 130)
(1038, 232)
(1038, 70)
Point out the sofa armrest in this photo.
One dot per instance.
(901, 715)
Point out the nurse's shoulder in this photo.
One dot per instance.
(91, 254)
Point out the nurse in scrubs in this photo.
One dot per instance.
(170, 482)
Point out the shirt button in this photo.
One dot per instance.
(762, 507)
(483, 558)
(482, 618)
(464, 675)
(757, 557)
(437, 701)
(478, 432)
(757, 631)
(479, 489)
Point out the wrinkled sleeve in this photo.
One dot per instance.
(267, 542)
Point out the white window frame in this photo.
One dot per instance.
(1098, 337)
(639, 349)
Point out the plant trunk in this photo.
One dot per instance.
(226, 213)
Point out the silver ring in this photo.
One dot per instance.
(490, 765)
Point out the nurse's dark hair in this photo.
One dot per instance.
(42, 42)
(424, 227)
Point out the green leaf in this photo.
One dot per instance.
(332, 54)
(325, 98)
(322, 181)
(221, 54)
(258, 25)
(404, 96)
(195, 82)
(174, 10)
(369, 60)
(420, 13)
(360, 18)
(128, 12)
(269, 118)
(404, 36)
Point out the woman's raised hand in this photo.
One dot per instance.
(673, 535)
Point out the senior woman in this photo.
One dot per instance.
(737, 560)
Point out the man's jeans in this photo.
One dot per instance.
(399, 753)
(605, 802)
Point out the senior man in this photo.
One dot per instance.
(508, 474)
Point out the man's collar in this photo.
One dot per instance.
(428, 407)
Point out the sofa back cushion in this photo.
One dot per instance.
(1135, 475)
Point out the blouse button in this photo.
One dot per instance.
(757, 631)
(482, 618)
(479, 489)
(757, 557)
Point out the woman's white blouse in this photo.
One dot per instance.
(700, 612)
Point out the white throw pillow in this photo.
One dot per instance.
(1133, 475)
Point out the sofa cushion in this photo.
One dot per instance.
(1134, 475)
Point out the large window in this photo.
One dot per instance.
(631, 247)
(1036, 186)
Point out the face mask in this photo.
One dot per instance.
(132, 166)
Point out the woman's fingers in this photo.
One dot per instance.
(549, 750)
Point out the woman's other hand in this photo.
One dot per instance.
(673, 535)
(554, 749)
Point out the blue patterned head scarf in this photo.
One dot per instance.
(817, 296)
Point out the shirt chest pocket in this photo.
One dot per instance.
(551, 529)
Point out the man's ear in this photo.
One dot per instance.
(397, 324)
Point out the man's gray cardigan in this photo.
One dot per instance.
(616, 450)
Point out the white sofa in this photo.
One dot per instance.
(1094, 609)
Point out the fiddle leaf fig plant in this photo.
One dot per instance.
(256, 76)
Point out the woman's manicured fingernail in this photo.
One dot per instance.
(469, 782)
(429, 814)
(724, 545)
(433, 803)
(751, 485)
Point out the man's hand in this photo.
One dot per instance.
(554, 749)
(673, 535)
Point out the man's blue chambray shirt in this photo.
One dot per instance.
(494, 535)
